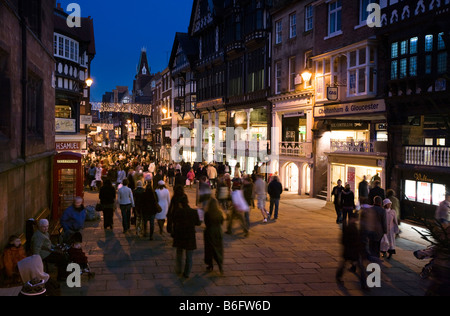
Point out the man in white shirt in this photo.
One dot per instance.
(126, 202)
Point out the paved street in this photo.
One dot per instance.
(296, 255)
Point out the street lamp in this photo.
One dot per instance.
(306, 75)
(89, 82)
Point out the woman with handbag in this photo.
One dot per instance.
(107, 196)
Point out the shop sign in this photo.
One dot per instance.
(85, 119)
(332, 93)
(294, 114)
(65, 146)
(65, 125)
(363, 107)
(422, 177)
(348, 125)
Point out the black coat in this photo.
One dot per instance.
(149, 202)
(275, 189)
(107, 195)
(347, 199)
(184, 222)
(376, 191)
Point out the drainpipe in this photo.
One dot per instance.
(24, 78)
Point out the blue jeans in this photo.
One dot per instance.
(126, 216)
(188, 262)
(276, 203)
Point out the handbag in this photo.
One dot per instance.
(99, 207)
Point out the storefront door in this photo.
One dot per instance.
(292, 177)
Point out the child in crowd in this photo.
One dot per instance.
(77, 255)
(13, 253)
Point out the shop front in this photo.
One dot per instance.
(422, 190)
(354, 142)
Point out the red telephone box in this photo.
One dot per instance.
(68, 179)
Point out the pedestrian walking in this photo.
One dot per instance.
(149, 210)
(183, 231)
(275, 189)
(348, 202)
(352, 250)
(388, 241)
(442, 214)
(373, 227)
(213, 235)
(363, 189)
(261, 196)
(126, 202)
(392, 196)
(376, 190)
(163, 196)
(107, 197)
(191, 177)
(138, 195)
(336, 194)
(223, 191)
(204, 191)
(98, 176)
(212, 175)
(238, 209)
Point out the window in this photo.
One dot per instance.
(323, 77)
(255, 64)
(363, 13)
(278, 77)
(292, 25)
(292, 73)
(425, 192)
(5, 96)
(278, 32)
(361, 71)
(334, 17)
(35, 106)
(65, 47)
(404, 58)
(442, 55)
(308, 18)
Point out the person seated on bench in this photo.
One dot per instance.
(12, 254)
(41, 245)
(73, 219)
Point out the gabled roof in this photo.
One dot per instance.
(214, 7)
(85, 33)
(189, 46)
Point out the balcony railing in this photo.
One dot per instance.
(428, 156)
(358, 147)
(295, 149)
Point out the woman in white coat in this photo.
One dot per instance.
(98, 176)
(163, 195)
(388, 241)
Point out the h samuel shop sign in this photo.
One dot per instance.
(366, 107)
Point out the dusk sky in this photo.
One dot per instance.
(123, 28)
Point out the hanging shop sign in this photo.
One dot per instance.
(332, 93)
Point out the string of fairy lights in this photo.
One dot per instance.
(132, 108)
